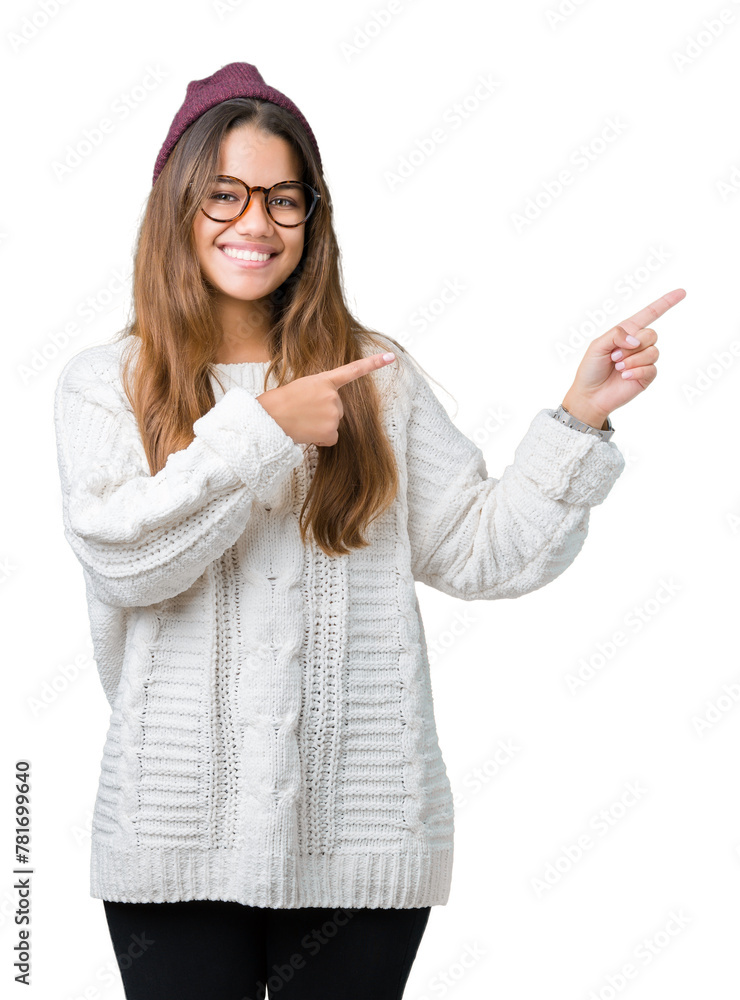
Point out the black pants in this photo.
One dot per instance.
(221, 950)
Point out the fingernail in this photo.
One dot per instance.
(619, 365)
(632, 341)
(389, 356)
(616, 355)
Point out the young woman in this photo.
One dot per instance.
(253, 483)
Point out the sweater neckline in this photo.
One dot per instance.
(248, 374)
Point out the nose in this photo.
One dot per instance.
(255, 219)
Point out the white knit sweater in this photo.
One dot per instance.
(272, 737)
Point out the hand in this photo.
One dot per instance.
(599, 386)
(309, 409)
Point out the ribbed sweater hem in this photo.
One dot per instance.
(364, 879)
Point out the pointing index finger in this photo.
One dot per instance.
(355, 369)
(644, 317)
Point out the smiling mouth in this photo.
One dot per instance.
(248, 258)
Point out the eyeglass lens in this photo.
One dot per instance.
(288, 204)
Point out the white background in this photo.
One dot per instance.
(657, 206)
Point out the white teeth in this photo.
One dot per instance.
(245, 254)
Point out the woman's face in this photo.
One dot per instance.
(256, 158)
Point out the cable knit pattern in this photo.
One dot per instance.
(272, 737)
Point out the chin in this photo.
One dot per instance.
(246, 290)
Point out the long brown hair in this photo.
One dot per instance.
(312, 330)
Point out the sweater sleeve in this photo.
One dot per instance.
(479, 538)
(143, 538)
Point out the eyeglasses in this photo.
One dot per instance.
(288, 203)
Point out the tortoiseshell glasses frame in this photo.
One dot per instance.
(266, 191)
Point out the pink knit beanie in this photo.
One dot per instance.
(236, 79)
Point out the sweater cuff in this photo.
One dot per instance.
(254, 446)
(567, 464)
